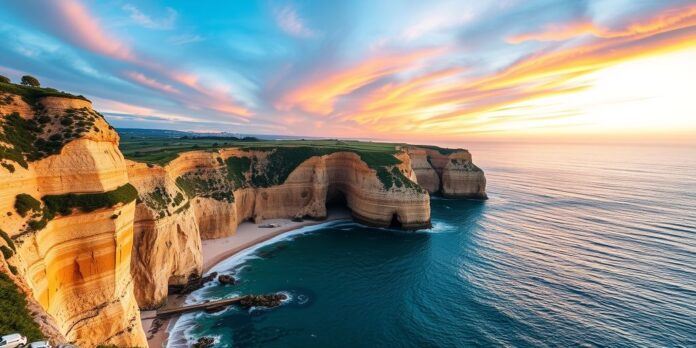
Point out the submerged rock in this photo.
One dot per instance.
(226, 279)
(194, 283)
(271, 300)
(204, 342)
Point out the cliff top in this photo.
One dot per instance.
(32, 94)
(160, 149)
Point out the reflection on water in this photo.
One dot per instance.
(578, 245)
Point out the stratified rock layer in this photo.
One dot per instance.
(447, 172)
(91, 270)
(77, 267)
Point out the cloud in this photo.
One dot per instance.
(86, 31)
(146, 21)
(448, 102)
(319, 95)
(152, 83)
(185, 39)
(290, 22)
(669, 20)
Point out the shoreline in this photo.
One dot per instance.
(215, 251)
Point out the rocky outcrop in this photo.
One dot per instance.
(450, 173)
(167, 241)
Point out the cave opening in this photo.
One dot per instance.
(336, 199)
(395, 223)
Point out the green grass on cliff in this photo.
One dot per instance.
(43, 135)
(13, 305)
(237, 167)
(32, 94)
(284, 157)
(63, 204)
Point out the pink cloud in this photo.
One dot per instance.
(86, 31)
(152, 83)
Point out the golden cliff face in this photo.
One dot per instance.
(90, 269)
(167, 241)
(76, 266)
(448, 172)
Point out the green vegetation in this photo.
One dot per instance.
(441, 150)
(7, 239)
(178, 199)
(63, 204)
(13, 304)
(25, 203)
(32, 94)
(6, 252)
(43, 135)
(32, 81)
(4, 79)
(206, 183)
(161, 150)
(237, 167)
(283, 157)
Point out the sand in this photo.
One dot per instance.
(217, 250)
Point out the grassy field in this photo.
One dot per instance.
(161, 150)
(285, 155)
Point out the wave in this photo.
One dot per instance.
(180, 333)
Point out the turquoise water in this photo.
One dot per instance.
(577, 245)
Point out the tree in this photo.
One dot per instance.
(4, 79)
(30, 81)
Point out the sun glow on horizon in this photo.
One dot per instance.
(642, 96)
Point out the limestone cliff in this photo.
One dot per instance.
(95, 237)
(450, 173)
(61, 184)
(219, 193)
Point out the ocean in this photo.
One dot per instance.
(578, 245)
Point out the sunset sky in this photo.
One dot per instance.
(393, 70)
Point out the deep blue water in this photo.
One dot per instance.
(577, 246)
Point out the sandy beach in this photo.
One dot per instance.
(215, 251)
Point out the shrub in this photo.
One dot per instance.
(236, 169)
(13, 304)
(6, 252)
(24, 203)
(7, 239)
(63, 204)
(8, 166)
(4, 79)
(28, 80)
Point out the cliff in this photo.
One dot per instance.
(95, 237)
(448, 172)
(65, 208)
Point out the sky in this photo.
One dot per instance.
(393, 70)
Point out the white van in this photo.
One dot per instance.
(40, 344)
(12, 341)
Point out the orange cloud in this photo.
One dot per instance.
(669, 20)
(447, 103)
(88, 31)
(320, 94)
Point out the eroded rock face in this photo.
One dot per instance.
(450, 173)
(76, 267)
(90, 271)
(167, 241)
